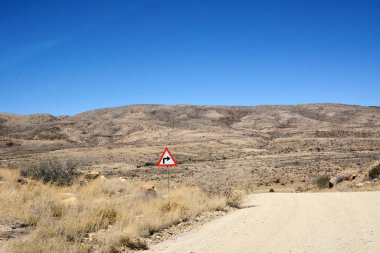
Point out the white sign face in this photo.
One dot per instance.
(167, 159)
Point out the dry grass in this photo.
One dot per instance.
(105, 215)
(232, 190)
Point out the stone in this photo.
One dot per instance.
(332, 182)
(359, 185)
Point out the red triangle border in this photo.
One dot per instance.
(169, 165)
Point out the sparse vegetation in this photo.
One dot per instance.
(52, 170)
(374, 172)
(322, 181)
(234, 199)
(225, 189)
(220, 160)
(135, 244)
(70, 218)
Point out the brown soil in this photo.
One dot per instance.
(262, 146)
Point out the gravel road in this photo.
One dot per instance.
(289, 222)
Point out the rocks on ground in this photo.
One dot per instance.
(10, 229)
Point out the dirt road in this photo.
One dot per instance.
(290, 222)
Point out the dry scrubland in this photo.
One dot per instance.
(221, 150)
(105, 215)
(254, 146)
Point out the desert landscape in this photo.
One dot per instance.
(117, 200)
(286, 222)
(252, 145)
(189, 126)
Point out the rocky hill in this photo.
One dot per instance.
(296, 136)
(135, 123)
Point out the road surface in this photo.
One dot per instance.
(289, 222)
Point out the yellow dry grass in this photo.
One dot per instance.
(101, 216)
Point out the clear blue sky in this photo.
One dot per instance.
(65, 57)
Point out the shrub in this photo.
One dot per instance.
(374, 172)
(97, 220)
(340, 179)
(135, 244)
(108, 216)
(322, 181)
(234, 199)
(52, 170)
(224, 189)
(149, 164)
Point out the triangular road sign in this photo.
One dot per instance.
(166, 159)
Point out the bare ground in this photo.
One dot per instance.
(10, 229)
(290, 222)
(284, 148)
(256, 146)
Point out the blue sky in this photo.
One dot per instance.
(65, 57)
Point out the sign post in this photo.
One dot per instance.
(167, 172)
(167, 160)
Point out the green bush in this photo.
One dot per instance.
(322, 181)
(52, 170)
(374, 172)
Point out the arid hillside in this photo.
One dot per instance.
(254, 144)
